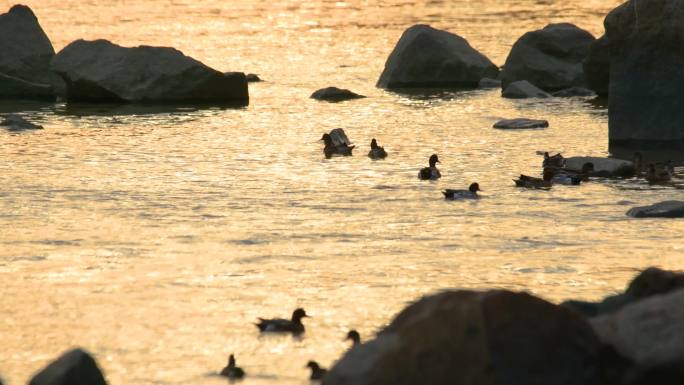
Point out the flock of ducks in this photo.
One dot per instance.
(292, 326)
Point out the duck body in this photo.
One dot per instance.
(336, 143)
(431, 172)
(566, 179)
(658, 173)
(317, 373)
(553, 162)
(281, 325)
(232, 371)
(376, 152)
(470, 193)
(534, 182)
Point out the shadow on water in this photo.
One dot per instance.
(14, 106)
(651, 151)
(112, 109)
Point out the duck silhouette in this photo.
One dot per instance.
(659, 173)
(470, 193)
(317, 373)
(376, 152)
(354, 337)
(431, 172)
(336, 143)
(534, 182)
(232, 371)
(281, 325)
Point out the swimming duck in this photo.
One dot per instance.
(354, 336)
(470, 193)
(430, 173)
(662, 173)
(376, 151)
(232, 371)
(317, 373)
(534, 182)
(280, 325)
(553, 162)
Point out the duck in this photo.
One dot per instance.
(470, 193)
(354, 337)
(280, 325)
(331, 149)
(317, 373)
(553, 162)
(659, 174)
(534, 182)
(430, 173)
(376, 151)
(232, 371)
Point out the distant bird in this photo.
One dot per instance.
(336, 143)
(232, 371)
(430, 173)
(470, 193)
(354, 336)
(553, 162)
(376, 151)
(661, 173)
(317, 373)
(534, 182)
(280, 325)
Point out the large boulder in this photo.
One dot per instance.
(428, 57)
(551, 58)
(597, 66)
(646, 72)
(476, 338)
(666, 209)
(523, 89)
(603, 167)
(75, 367)
(100, 71)
(26, 54)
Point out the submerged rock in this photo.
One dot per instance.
(334, 94)
(551, 58)
(466, 337)
(26, 54)
(573, 91)
(646, 72)
(17, 123)
(428, 57)
(523, 89)
(75, 367)
(597, 66)
(666, 209)
(603, 167)
(489, 83)
(521, 123)
(100, 71)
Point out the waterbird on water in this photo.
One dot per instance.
(280, 325)
(317, 373)
(232, 371)
(376, 151)
(336, 143)
(534, 182)
(470, 193)
(354, 336)
(430, 173)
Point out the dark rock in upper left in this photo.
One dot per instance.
(102, 72)
(75, 367)
(25, 54)
(334, 94)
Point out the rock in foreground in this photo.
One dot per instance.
(75, 367)
(334, 94)
(666, 209)
(427, 57)
(523, 89)
(551, 58)
(521, 123)
(479, 338)
(102, 72)
(603, 167)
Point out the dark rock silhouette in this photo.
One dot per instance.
(100, 71)
(597, 66)
(26, 54)
(646, 72)
(603, 167)
(666, 209)
(523, 89)
(550, 58)
(75, 367)
(334, 94)
(573, 91)
(489, 83)
(428, 57)
(519, 123)
(467, 337)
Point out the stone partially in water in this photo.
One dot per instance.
(100, 71)
(523, 89)
(603, 167)
(17, 123)
(597, 66)
(15, 88)
(467, 337)
(75, 367)
(573, 91)
(334, 94)
(666, 209)
(428, 57)
(520, 123)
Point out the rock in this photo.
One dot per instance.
(597, 66)
(75, 367)
(666, 209)
(646, 72)
(427, 57)
(523, 89)
(252, 78)
(489, 83)
(521, 123)
(466, 337)
(669, 373)
(551, 58)
(603, 167)
(334, 94)
(573, 91)
(17, 123)
(100, 71)
(26, 54)
(649, 332)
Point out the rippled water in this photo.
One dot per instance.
(155, 238)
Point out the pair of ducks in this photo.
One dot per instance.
(553, 174)
(655, 172)
(318, 372)
(432, 173)
(337, 143)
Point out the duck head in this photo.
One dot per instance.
(474, 187)
(298, 314)
(587, 168)
(374, 144)
(313, 365)
(434, 160)
(354, 336)
(231, 361)
(327, 139)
